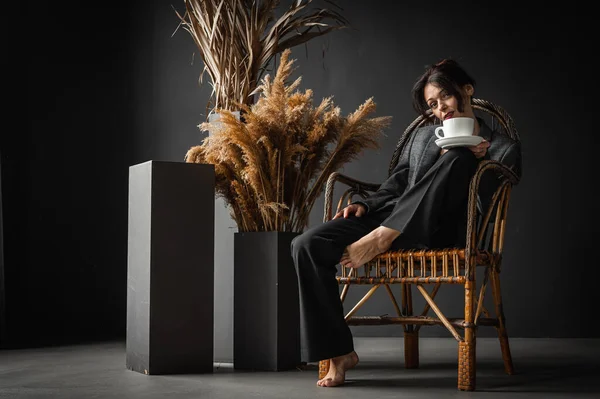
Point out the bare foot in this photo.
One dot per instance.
(337, 370)
(368, 247)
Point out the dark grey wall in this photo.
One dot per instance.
(107, 88)
(65, 149)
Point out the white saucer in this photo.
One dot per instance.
(449, 142)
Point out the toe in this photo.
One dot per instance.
(324, 382)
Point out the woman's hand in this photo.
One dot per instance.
(480, 149)
(353, 209)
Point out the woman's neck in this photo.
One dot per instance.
(476, 127)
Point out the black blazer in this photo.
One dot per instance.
(421, 152)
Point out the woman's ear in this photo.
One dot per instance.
(469, 89)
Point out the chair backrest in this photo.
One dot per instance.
(501, 122)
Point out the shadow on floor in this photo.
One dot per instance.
(530, 377)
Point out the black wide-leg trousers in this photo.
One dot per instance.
(432, 213)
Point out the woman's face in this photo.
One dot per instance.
(444, 105)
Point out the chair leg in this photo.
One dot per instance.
(502, 334)
(466, 348)
(411, 350)
(466, 366)
(411, 337)
(323, 368)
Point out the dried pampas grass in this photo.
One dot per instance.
(271, 167)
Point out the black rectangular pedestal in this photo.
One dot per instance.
(170, 268)
(266, 321)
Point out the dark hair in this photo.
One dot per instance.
(448, 76)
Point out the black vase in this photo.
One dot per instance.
(266, 321)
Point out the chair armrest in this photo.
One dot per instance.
(505, 177)
(504, 170)
(356, 187)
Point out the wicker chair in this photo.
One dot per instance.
(437, 267)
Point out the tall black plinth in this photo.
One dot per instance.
(266, 313)
(170, 268)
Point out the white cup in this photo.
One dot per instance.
(455, 127)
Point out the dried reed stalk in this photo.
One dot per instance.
(272, 166)
(237, 40)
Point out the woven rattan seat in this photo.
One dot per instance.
(485, 241)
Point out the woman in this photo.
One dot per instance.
(422, 204)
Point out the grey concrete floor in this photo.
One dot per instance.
(545, 368)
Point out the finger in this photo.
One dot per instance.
(346, 212)
(337, 215)
(359, 211)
